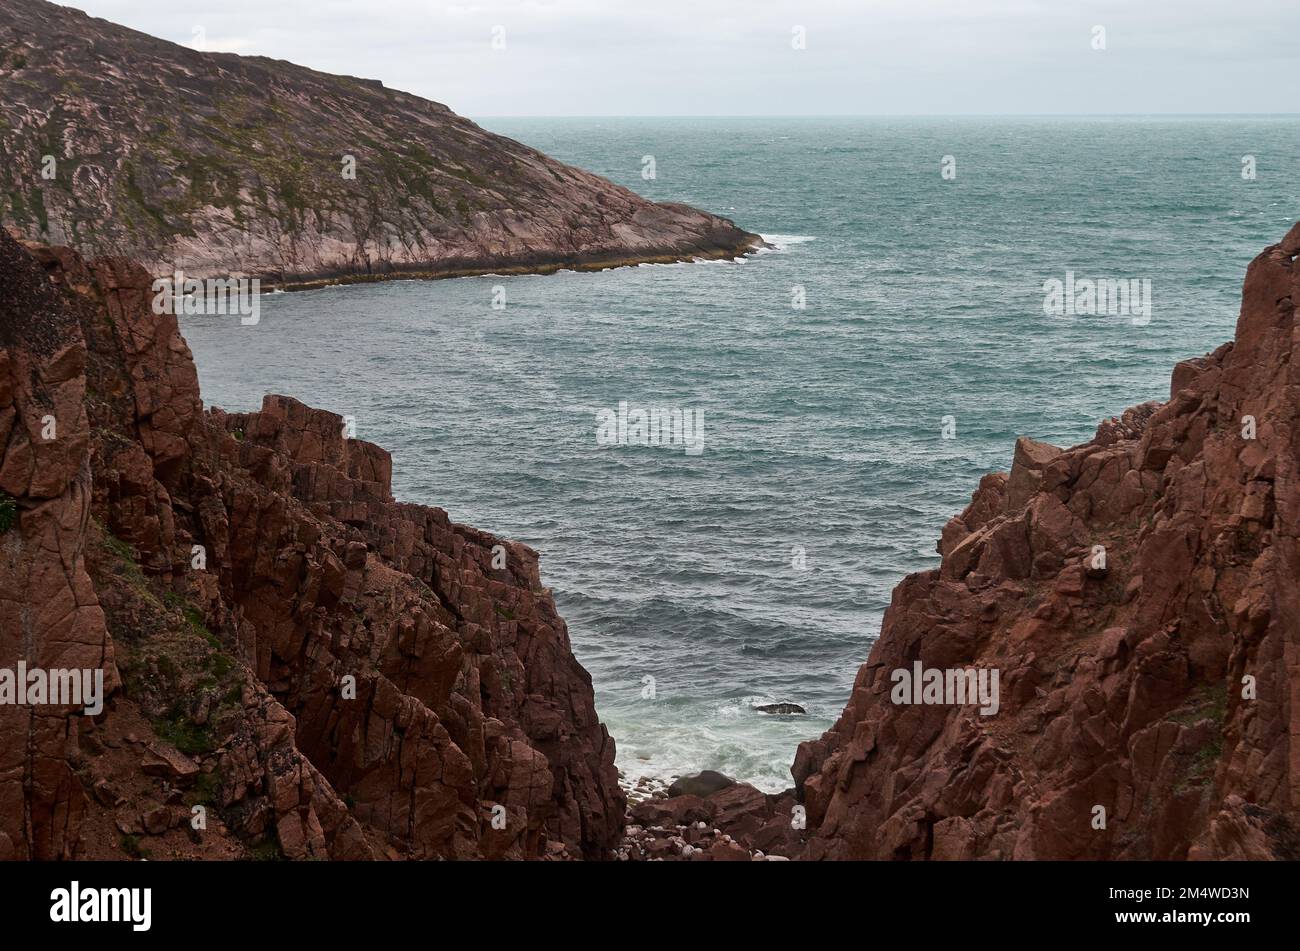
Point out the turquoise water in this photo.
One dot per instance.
(822, 426)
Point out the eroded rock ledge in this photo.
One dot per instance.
(231, 573)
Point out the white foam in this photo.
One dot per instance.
(782, 242)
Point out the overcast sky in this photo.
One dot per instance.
(737, 57)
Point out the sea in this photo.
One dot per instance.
(843, 390)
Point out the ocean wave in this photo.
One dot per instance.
(782, 242)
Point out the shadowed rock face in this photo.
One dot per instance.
(332, 673)
(1122, 682)
(222, 164)
(49, 617)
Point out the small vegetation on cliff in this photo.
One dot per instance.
(1208, 703)
(182, 732)
(205, 789)
(268, 851)
(8, 512)
(130, 845)
(122, 557)
(173, 667)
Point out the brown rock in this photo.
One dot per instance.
(1027, 465)
(673, 811)
(728, 852)
(162, 760)
(739, 809)
(156, 820)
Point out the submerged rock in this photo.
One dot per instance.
(784, 709)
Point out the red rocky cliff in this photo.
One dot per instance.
(1161, 685)
(49, 616)
(327, 672)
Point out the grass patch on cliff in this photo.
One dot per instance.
(1207, 756)
(8, 512)
(268, 851)
(123, 557)
(130, 845)
(118, 547)
(1207, 703)
(173, 667)
(1201, 766)
(193, 617)
(18, 207)
(205, 790)
(182, 732)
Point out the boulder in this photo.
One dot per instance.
(163, 760)
(701, 784)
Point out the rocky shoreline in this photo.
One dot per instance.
(511, 267)
(707, 817)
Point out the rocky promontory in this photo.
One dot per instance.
(296, 665)
(117, 143)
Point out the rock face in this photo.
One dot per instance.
(1138, 596)
(327, 672)
(229, 165)
(49, 617)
